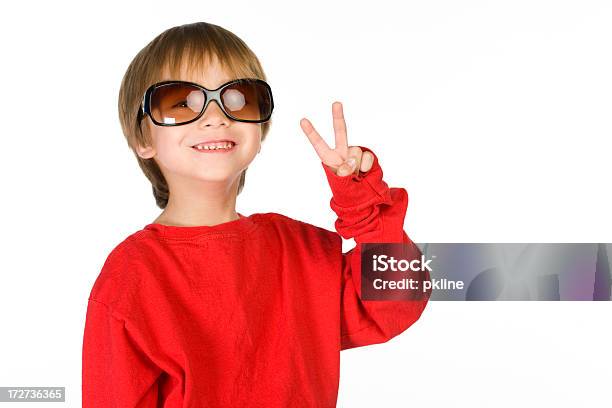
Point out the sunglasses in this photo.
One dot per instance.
(175, 103)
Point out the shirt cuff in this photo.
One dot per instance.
(357, 191)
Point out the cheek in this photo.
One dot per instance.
(252, 138)
(168, 147)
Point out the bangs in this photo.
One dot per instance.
(190, 60)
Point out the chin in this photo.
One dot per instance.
(216, 176)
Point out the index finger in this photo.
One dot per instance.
(326, 154)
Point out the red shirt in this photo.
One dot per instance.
(247, 313)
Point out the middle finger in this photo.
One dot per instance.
(340, 130)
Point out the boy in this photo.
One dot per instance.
(206, 307)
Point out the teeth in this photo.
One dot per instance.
(215, 146)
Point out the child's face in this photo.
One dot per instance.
(172, 145)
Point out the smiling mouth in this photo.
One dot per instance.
(215, 147)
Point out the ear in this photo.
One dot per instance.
(145, 152)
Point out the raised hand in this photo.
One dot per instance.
(343, 159)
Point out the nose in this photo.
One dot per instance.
(213, 115)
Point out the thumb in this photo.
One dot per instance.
(347, 167)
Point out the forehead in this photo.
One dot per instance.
(209, 73)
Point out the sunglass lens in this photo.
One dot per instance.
(176, 103)
(247, 100)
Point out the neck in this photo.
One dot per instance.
(197, 202)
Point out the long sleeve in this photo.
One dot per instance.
(370, 212)
(116, 371)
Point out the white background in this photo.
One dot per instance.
(495, 116)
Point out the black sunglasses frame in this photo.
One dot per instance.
(210, 95)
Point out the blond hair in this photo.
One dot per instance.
(196, 44)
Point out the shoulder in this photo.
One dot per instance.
(120, 275)
(290, 227)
